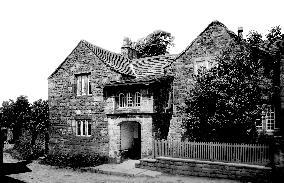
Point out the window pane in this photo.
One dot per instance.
(78, 127)
(129, 100)
(121, 100)
(89, 128)
(137, 99)
(90, 87)
(79, 85)
(270, 118)
(84, 128)
(84, 85)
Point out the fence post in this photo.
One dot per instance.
(1, 146)
(153, 149)
(210, 151)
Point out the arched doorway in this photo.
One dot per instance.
(130, 139)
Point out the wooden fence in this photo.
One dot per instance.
(257, 154)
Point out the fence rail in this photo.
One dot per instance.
(258, 154)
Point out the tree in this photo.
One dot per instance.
(156, 43)
(269, 52)
(7, 116)
(39, 119)
(225, 101)
(21, 112)
(274, 46)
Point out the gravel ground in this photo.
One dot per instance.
(48, 174)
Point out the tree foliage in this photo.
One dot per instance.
(21, 115)
(156, 43)
(226, 100)
(39, 119)
(21, 112)
(7, 111)
(223, 105)
(39, 116)
(29, 124)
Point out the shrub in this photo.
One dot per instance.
(63, 159)
(23, 149)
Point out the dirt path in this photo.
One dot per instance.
(49, 174)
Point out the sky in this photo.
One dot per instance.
(37, 35)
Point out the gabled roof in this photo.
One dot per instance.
(213, 23)
(114, 61)
(138, 68)
(143, 68)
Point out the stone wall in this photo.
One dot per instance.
(66, 107)
(206, 46)
(191, 167)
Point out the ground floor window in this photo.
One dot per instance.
(267, 120)
(83, 128)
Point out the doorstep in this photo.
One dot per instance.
(126, 168)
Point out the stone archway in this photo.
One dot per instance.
(130, 139)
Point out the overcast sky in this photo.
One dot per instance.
(36, 36)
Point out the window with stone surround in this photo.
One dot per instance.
(202, 63)
(267, 119)
(83, 128)
(129, 99)
(83, 84)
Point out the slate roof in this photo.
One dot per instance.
(115, 61)
(151, 66)
(143, 69)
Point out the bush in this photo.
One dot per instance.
(62, 159)
(23, 150)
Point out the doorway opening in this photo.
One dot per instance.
(130, 140)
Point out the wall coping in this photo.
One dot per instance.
(213, 163)
(148, 160)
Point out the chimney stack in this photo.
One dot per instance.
(240, 32)
(127, 50)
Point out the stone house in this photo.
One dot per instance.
(111, 104)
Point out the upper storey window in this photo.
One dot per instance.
(83, 84)
(203, 63)
(122, 100)
(129, 100)
(200, 65)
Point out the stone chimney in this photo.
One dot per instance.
(240, 32)
(127, 50)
